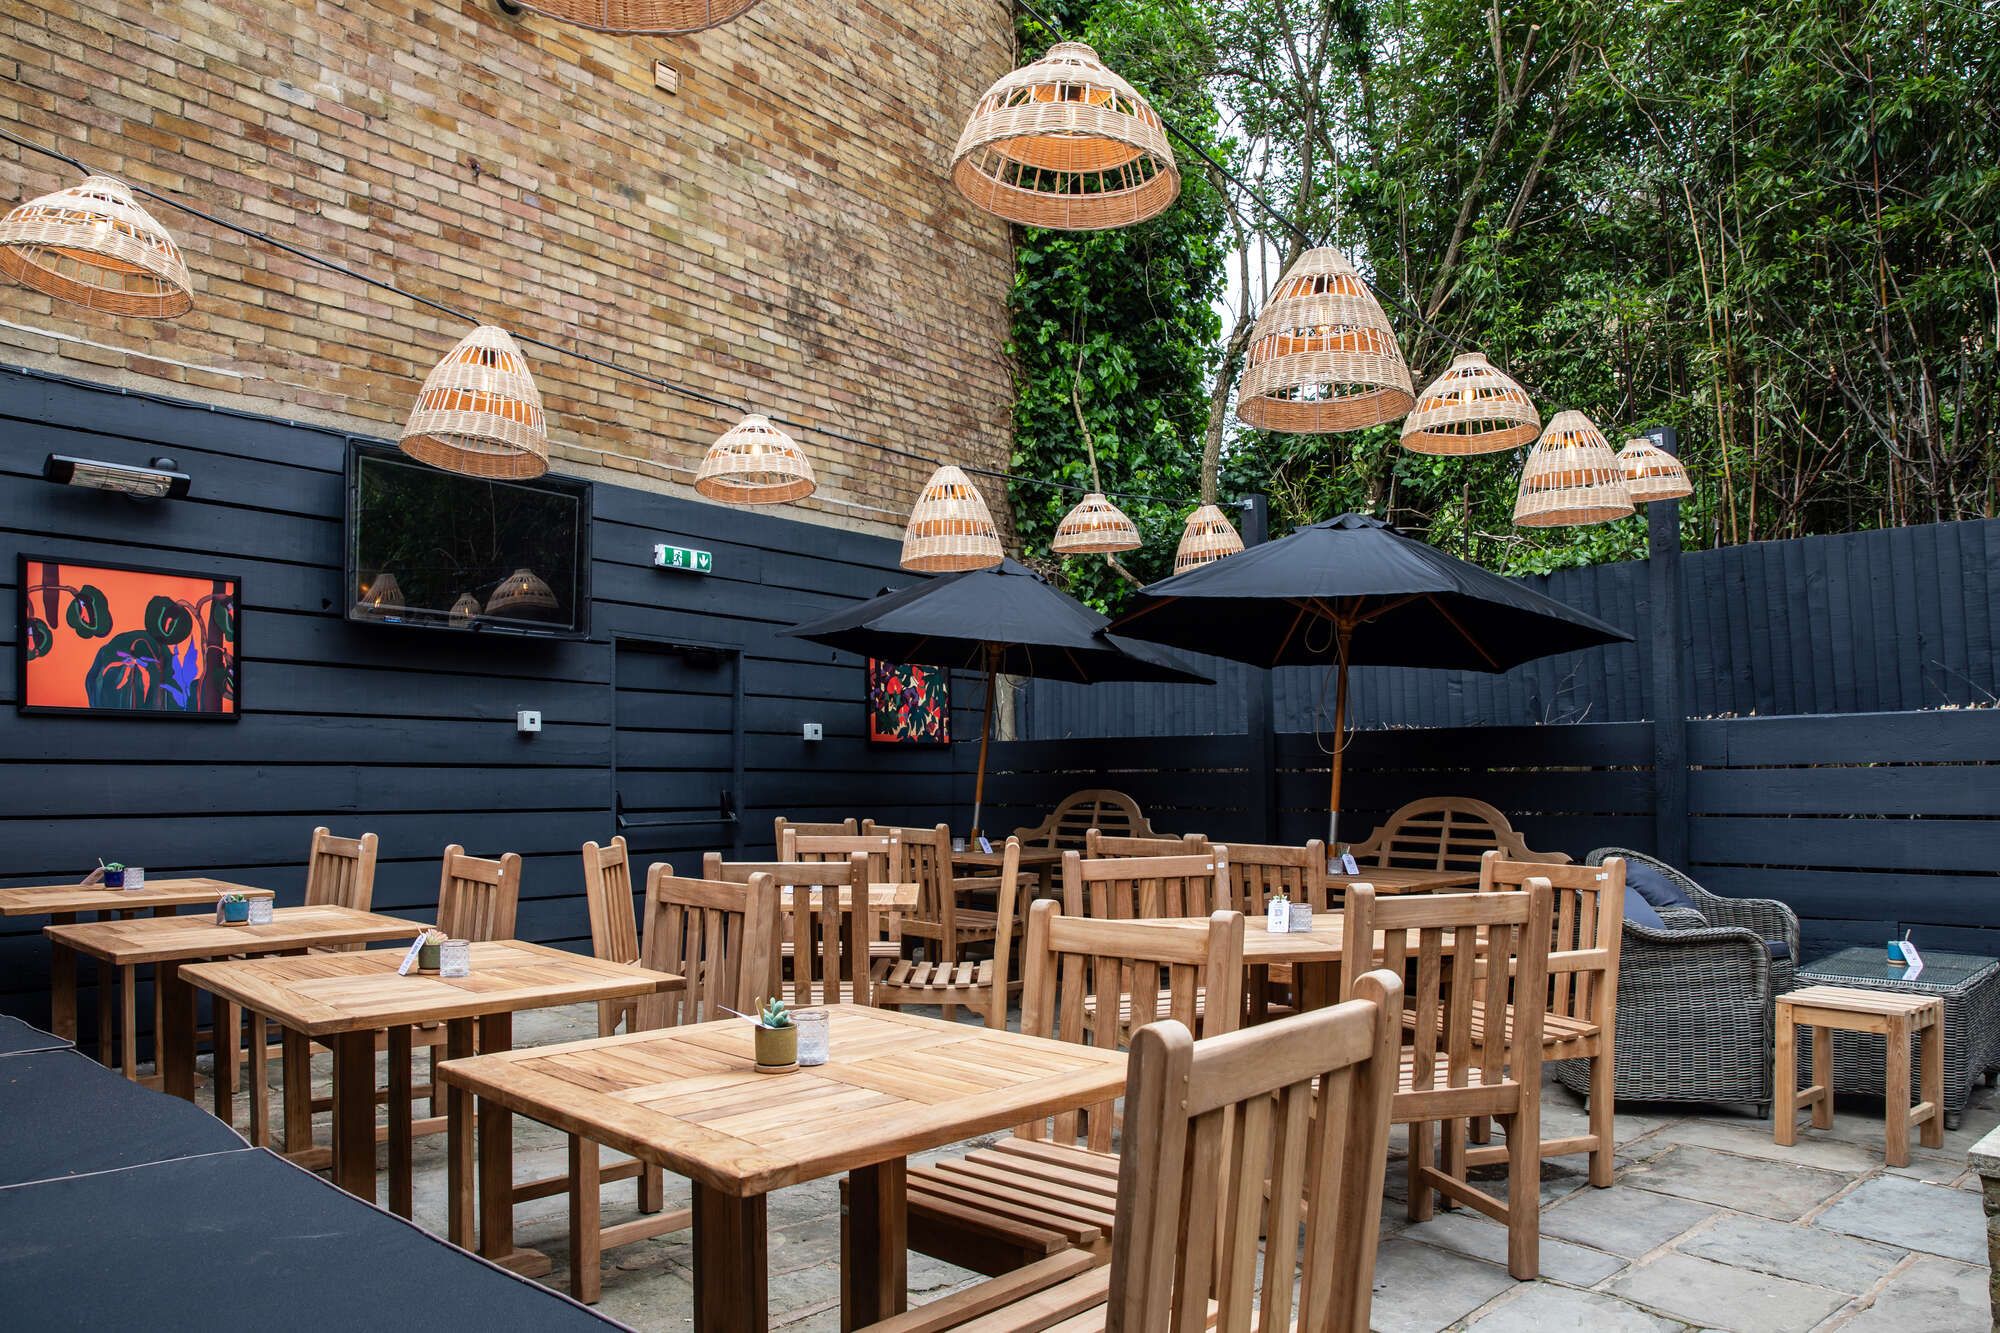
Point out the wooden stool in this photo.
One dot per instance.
(1827, 1008)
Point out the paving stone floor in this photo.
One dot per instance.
(1709, 1226)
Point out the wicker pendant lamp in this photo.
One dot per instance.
(755, 463)
(522, 591)
(1322, 355)
(1095, 527)
(1208, 537)
(383, 596)
(1571, 478)
(950, 528)
(479, 412)
(1066, 143)
(1471, 409)
(466, 609)
(92, 245)
(656, 18)
(1651, 473)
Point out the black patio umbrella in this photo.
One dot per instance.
(1006, 619)
(1355, 592)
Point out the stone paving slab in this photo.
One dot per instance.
(1420, 1289)
(1467, 1233)
(1623, 1221)
(1717, 1295)
(1544, 1308)
(1770, 1189)
(1916, 1216)
(1802, 1253)
(1930, 1296)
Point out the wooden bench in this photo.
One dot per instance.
(1113, 813)
(1447, 833)
(1821, 1010)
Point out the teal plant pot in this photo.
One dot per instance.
(236, 911)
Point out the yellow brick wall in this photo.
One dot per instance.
(781, 232)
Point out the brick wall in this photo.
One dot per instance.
(780, 232)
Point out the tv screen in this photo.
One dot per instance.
(439, 550)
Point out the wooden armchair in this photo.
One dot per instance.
(980, 985)
(1053, 1184)
(1095, 808)
(945, 924)
(1447, 833)
(1279, 1133)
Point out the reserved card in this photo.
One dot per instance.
(985, 844)
(410, 958)
(1914, 960)
(1347, 864)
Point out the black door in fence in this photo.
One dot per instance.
(677, 750)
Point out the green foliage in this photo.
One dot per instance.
(1135, 305)
(776, 1014)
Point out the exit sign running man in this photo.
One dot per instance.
(683, 558)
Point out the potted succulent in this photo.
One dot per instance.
(427, 956)
(777, 1039)
(235, 908)
(114, 874)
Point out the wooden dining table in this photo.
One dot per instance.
(167, 942)
(343, 999)
(687, 1099)
(1404, 879)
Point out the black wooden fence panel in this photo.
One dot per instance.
(1885, 621)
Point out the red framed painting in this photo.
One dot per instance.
(103, 640)
(908, 705)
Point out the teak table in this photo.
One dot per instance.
(344, 999)
(167, 942)
(1404, 879)
(688, 1100)
(1823, 1010)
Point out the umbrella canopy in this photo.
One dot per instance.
(1353, 591)
(1006, 619)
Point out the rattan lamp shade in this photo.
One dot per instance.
(950, 527)
(382, 596)
(92, 245)
(1471, 409)
(1209, 536)
(651, 17)
(1322, 355)
(755, 463)
(1651, 473)
(1571, 478)
(1066, 143)
(1095, 527)
(522, 592)
(479, 412)
(466, 609)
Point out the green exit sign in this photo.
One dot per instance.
(683, 558)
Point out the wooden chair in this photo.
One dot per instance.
(614, 934)
(1125, 887)
(1581, 1021)
(883, 856)
(809, 881)
(1097, 844)
(1053, 1183)
(477, 897)
(830, 942)
(980, 985)
(1279, 1134)
(719, 937)
(1447, 833)
(841, 828)
(1095, 808)
(945, 924)
(1259, 872)
(1466, 950)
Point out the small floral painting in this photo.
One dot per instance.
(112, 639)
(908, 705)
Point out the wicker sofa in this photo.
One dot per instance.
(1695, 999)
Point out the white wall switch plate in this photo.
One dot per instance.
(528, 721)
(815, 732)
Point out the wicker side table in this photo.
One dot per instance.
(1969, 985)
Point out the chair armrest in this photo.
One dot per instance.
(1644, 948)
(976, 884)
(1767, 918)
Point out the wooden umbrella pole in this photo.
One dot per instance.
(985, 736)
(1346, 636)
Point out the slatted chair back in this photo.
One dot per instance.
(1259, 872)
(1278, 1132)
(785, 874)
(1447, 833)
(720, 936)
(607, 892)
(1588, 910)
(1098, 844)
(1191, 972)
(796, 880)
(1453, 945)
(923, 858)
(340, 872)
(1127, 887)
(830, 959)
(477, 897)
(1094, 808)
(881, 849)
(837, 828)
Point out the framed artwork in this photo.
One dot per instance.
(908, 705)
(128, 641)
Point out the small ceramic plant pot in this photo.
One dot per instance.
(777, 1048)
(114, 879)
(237, 911)
(427, 957)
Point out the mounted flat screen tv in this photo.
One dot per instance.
(438, 550)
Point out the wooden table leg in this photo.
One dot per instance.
(874, 1245)
(1785, 1079)
(107, 1054)
(586, 1237)
(1930, 1059)
(354, 1113)
(297, 1061)
(401, 1190)
(128, 1021)
(226, 1022)
(496, 1166)
(259, 1083)
(458, 1122)
(731, 1263)
(62, 984)
(1822, 1077)
(1896, 1090)
(173, 1038)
